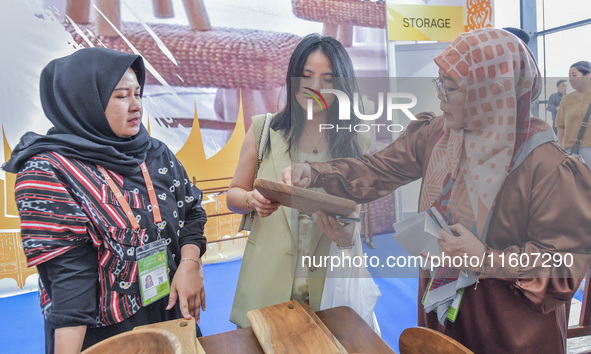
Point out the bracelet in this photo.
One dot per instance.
(196, 260)
(247, 203)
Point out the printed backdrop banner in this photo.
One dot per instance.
(211, 65)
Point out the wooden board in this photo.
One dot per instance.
(352, 331)
(287, 328)
(305, 200)
(324, 329)
(241, 341)
(184, 330)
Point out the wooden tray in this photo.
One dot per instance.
(289, 328)
(304, 200)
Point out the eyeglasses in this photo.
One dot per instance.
(442, 90)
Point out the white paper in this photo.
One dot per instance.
(418, 234)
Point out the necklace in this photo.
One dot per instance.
(311, 141)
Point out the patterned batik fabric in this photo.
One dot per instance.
(64, 203)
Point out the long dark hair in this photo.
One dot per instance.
(583, 66)
(341, 143)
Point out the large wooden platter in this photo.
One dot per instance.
(304, 200)
(145, 340)
(288, 328)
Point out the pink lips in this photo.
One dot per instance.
(135, 121)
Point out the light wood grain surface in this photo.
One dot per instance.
(142, 341)
(183, 329)
(287, 328)
(323, 327)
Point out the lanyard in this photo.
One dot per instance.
(125, 206)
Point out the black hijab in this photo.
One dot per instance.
(75, 91)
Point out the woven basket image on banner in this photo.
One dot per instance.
(382, 215)
(221, 57)
(345, 12)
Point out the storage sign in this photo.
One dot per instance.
(424, 22)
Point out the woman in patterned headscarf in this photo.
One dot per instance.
(85, 194)
(502, 184)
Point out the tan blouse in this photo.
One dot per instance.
(543, 207)
(307, 226)
(570, 115)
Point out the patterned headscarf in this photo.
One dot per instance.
(468, 166)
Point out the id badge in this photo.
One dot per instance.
(454, 308)
(152, 271)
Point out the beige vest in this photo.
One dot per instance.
(266, 276)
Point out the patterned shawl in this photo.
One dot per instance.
(468, 166)
(500, 78)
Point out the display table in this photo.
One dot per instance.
(344, 323)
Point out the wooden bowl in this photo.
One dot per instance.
(141, 341)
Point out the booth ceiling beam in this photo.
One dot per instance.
(565, 27)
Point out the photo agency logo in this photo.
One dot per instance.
(315, 99)
(401, 101)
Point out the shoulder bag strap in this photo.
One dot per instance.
(262, 142)
(583, 126)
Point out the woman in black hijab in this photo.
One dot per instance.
(96, 194)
